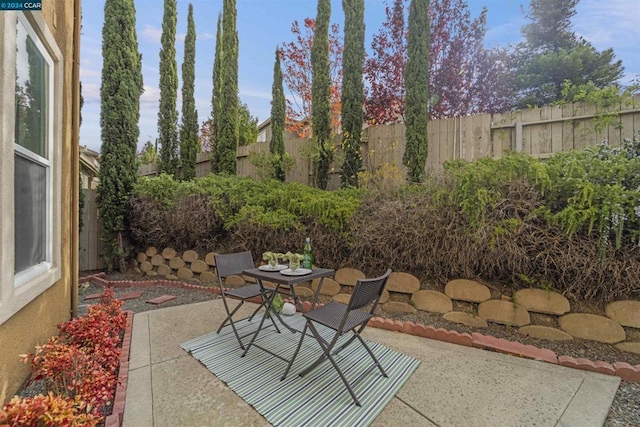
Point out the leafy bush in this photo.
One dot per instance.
(236, 200)
(79, 367)
(477, 187)
(49, 410)
(497, 220)
(596, 189)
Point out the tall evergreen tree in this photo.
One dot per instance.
(550, 28)
(189, 128)
(167, 113)
(352, 90)
(227, 143)
(119, 114)
(416, 82)
(216, 97)
(552, 54)
(321, 93)
(278, 107)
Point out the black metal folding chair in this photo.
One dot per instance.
(342, 319)
(234, 264)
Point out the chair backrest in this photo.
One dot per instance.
(368, 291)
(236, 263)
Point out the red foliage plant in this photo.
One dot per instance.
(297, 74)
(464, 77)
(49, 410)
(80, 366)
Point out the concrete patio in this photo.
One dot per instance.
(454, 385)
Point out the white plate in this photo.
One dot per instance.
(267, 267)
(298, 272)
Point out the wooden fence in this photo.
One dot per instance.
(540, 132)
(90, 247)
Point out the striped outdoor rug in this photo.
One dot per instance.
(318, 399)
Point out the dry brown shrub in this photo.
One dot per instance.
(190, 224)
(434, 243)
(329, 249)
(429, 239)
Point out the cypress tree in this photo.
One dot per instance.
(352, 90)
(119, 114)
(276, 145)
(227, 143)
(189, 128)
(167, 114)
(416, 80)
(321, 92)
(216, 106)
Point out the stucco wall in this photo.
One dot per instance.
(37, 321)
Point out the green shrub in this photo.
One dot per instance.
(477, 186)
(271, 202)
(596, 189)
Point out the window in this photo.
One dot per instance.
(32, 171)
(262, 136)
(31, 96)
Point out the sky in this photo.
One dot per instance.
(264, 24)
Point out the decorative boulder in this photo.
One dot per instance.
(168, 253)
(210, 259)
(432, 301)
(397, 307)
(329, 286)
(157, 260)
(403, 282)
(141, 257)
(176, 263)
(626, 313)
(348, 276)
(541, 301)
(467, 290)
(592, 327)
(465, 319)
(288, 309)
(198, 266)
(164, 270)
(504, 313)
(189, 256)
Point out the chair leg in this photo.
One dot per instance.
(364, 344)
(229, 315)
(295, 354)
(350, 340)
(326, 349)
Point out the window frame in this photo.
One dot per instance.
(18, 290)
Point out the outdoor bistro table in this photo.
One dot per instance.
(280, 280)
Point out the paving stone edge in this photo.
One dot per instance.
(117, 413)
(623, 370)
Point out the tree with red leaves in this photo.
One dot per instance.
(297, 73)
(385, 69)
(465, 78)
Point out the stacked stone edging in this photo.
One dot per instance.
(623, 370)
(505, 310)
(187, 266)
(404, 295)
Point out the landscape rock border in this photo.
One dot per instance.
(623, 370)
(511, 310)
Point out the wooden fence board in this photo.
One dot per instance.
(629, 119)
(530, 130)
(543, 132)
(90, 245)
(556, 129)
(543, 136)
(567, 127)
